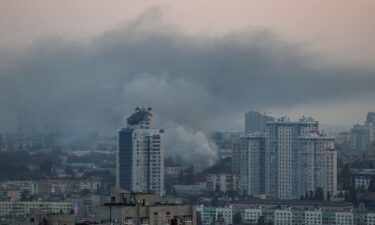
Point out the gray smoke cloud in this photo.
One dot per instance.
(195, 84)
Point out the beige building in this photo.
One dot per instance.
(223, 182)
(143, 208)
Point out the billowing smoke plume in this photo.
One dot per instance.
(198, 84)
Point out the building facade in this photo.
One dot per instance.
(258, 214)
(140, 155)
(253, 162)
(359, 137)
(282, 155)
(223, 182)
(255, 121)
(21, 208)
(143, 208)
(317, 164)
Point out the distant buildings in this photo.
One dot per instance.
(359, 137)
(255, 121)
(285, 212)
(362, 136)
(140, 156)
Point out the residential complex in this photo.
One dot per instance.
(288, 160)
(286, 213)
(317, 164)
(253, 162)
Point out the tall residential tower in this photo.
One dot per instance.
(140, 156)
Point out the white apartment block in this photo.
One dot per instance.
(223, 182)
(345, 218)
(253, 159)
(224, 213)
(19, 208)
(316, 164)
(140, 156)
(284, 216)
(282, 155)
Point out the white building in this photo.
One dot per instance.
(253, 160)
(282, 155)
(20, 208)
(317, 164)
(223, 182)
(140, 156)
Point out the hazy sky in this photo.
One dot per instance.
(328, 46)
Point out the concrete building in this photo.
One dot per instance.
(253, 163)
(236, 155)
(255, 121)
(143, 208)
(359, 137)
(223, 182)
(175, 171)
(21, 208)
(286, 214)
(140, 155)
(317, 164)
(45, 218)
(282, 155)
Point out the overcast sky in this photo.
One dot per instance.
(207, 60)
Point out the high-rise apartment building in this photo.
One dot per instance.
(253, 160)
(282, 155)
(359, 137)
(255, 121)
(288, 160)
(140, 156)
(317, 164)
(236, 155)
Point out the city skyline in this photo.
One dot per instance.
(153, 50)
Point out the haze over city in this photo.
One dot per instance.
(199, 112)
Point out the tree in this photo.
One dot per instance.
(214, 201)
(345, 176)
(68, 170)
(319, 194)
(353, 195)
(311, 197)
(46, 168)
(237, 218)
(328, 196)
(261, 221)
(199, 219)
(371, 187)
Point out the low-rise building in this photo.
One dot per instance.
(20, 208)
(288, 212)
(144, 208)
(223, 182)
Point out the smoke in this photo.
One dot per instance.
(194, 84)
